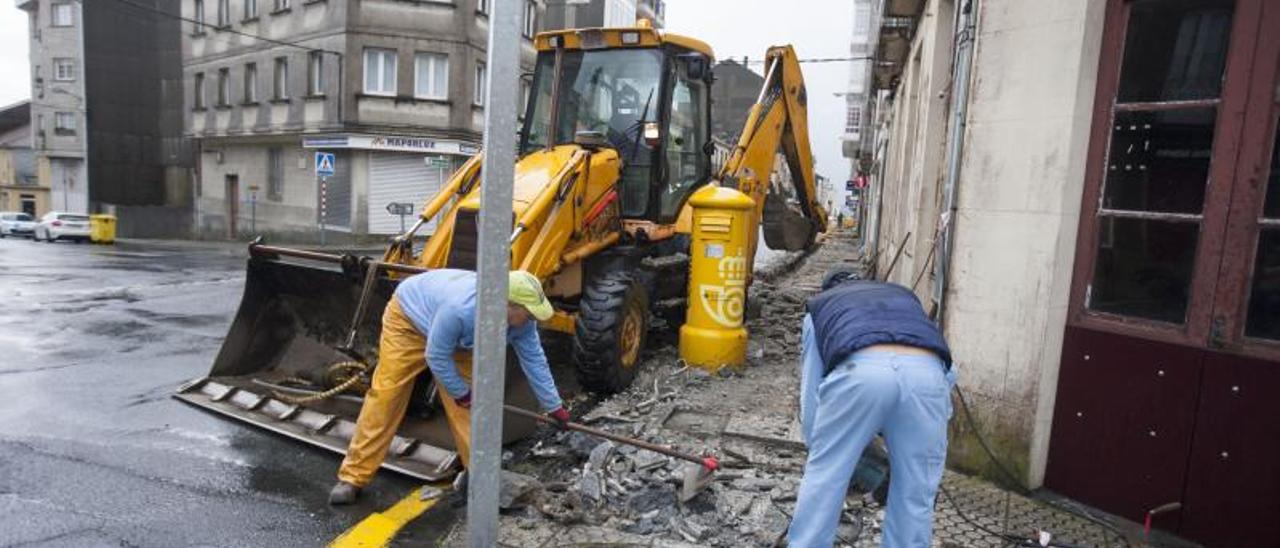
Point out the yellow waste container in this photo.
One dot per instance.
(102, 229)
(713, 335)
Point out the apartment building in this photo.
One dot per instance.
(58, 103)
(568, 14)
(106, 111)
(394, 89)
(20, 190)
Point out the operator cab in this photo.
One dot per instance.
(643, 93)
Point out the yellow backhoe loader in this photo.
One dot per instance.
(616, 138)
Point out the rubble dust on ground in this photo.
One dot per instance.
(568, 489)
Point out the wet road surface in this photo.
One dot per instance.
(94, 452)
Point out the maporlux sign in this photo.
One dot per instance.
(325, 163)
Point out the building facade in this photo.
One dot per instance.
(393, 89)
(1086, 195)
(106, 111)
(20, 189)
(856, 139)
(569, 14)
(59, 128)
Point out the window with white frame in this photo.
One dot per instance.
(281, 79)
(224, 13)
(315, 73)
(379, 71)
(481, 84)
(224, 87)
(482, 7)
(282, 5)
(250, 9)
(431, 76)
(251, 83)
(197, 89)
(64, 123)
(64, 14)
(530, 19)
(197, 16)
(64, 69)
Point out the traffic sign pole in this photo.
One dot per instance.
(326, 166)
(324, 201)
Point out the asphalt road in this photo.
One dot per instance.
(94, 452)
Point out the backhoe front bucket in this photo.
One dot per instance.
(282, 346)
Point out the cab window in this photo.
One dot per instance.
(685, 164)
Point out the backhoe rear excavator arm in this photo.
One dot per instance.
(778, 121)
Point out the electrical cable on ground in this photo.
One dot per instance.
(1011, 479)
(791, 518)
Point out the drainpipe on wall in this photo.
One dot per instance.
(965, 28)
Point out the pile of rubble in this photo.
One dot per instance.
(566, 488)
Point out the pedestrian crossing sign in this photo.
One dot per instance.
(325, 163)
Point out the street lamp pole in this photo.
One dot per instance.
(494, 262)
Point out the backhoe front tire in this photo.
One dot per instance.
(612, 327)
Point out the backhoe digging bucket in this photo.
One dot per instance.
(785, 226)
(282, 348)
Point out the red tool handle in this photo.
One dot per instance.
(708, 462)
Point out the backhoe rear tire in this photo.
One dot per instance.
(612, 326)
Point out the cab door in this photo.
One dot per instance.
(686, 165)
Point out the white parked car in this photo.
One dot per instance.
(16, 223)
(58, 225)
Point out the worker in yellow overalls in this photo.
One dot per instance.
(430, 322)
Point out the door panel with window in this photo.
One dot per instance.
(685, 163)
(1179, 244)
(1151, 213)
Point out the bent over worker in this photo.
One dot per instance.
(871, 362)
(430, 322)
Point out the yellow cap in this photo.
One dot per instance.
(525, 290)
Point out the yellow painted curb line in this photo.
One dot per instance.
(379, 528)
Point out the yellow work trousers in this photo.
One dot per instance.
(400, 359)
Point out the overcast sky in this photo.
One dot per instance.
(15, 81)
(822, 28)
(734, 28)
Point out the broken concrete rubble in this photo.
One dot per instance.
(517, 490)
(605, 495)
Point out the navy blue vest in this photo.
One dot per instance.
(857, 314)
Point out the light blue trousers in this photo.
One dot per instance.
(907, 398)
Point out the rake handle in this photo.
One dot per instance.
(707, 462)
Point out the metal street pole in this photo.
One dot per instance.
(324, 189)
(494, 261)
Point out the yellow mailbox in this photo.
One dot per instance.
(713, 335)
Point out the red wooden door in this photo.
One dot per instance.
(1176, 295)
(1233, 490)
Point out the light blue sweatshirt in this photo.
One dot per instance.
(442, 305)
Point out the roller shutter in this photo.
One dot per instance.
(404, 178)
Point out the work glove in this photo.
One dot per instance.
(561, 416)
(464, 402)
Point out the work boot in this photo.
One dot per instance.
(343, 493)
